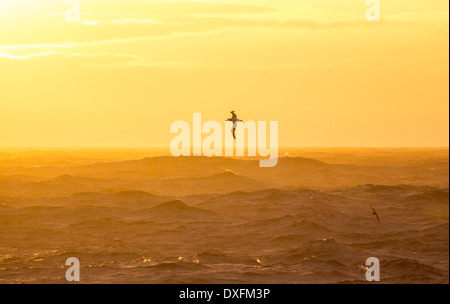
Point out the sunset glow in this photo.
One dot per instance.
(231, 143)
(128, 69)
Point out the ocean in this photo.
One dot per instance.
(133, 218)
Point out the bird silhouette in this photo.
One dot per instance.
(235, 120)
(374, 212)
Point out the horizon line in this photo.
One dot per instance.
(168, 148)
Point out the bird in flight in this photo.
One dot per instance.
(374, 212)
(235, 120)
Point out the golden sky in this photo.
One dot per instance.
(129, 68)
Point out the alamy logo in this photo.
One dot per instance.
(73, 13)
(373, 12)
(73, 273)
(373, 270)
(234, 132)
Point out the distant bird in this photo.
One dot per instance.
(374, 212)
(235, 120)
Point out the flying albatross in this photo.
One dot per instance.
(235, 120)
(374, 212)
